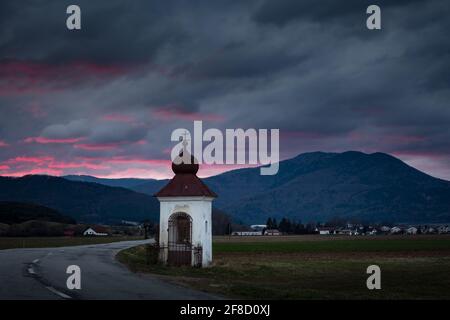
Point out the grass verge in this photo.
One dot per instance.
(412, 268)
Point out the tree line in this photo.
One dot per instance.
(291, 227)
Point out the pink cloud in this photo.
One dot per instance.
(35, 109)
(75, 165)
(28, 77)
(35, 160)
(175, 113)
(106, 146)
(37, 171)
(417, 153)
(3, 144)
(97, 146)
(42, 140)
(45, 165)
(138, 173)
(141, 142)
(398, 139)
(116, 117)
(300, 134)
(431, 163)
(155, 162)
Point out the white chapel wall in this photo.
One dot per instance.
(200, 210)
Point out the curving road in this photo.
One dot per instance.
(41, 274)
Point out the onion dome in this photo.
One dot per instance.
(185, 163)
(185, 183)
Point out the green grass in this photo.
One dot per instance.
(48, 242)
(337, 245)
(412, 268)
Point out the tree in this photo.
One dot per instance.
(269, 223)
(149, 228)
(285, 225)
(229, 229)
(299, 228)
(146, 227)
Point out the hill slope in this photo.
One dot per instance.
(129, 183)
(17, 212)
(319, 186)
(310, 187)
(86, 202)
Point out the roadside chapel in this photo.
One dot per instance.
(185, 236)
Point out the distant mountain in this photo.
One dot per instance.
(17, 212)
(314, 186)
(124, 183)
(320, 186)
(150, 187)
(147, 186)
(86, 202)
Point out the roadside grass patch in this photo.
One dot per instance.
(334, 269)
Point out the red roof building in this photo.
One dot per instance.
(185, 216)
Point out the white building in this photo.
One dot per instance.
(94, 232)
(272, 232)
(411, 230)
(324, 231)
(185, 235)
(247, 233)
(396, 230)
(430, 230)
(443, 229)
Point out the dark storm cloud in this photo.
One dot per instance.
(113, 31)
(139, 69)
(284, 11)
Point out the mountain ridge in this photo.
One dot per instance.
(319, 186)
(369, 186)
(84, 201)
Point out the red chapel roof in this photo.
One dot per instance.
(185, 183)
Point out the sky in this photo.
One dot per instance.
(104, 100)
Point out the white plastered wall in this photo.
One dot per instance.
(200, 210)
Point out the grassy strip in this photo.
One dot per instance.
(49, 242)
(280, 271)
(338, 245)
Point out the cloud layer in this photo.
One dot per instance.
(105, 99)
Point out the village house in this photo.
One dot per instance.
(324, 231)
(272, 232)
(411, 230)
(247, 233)
(97, 231)
(443, 229)
(396, 230)
(429, 230)
(347, 232)
(385, 229)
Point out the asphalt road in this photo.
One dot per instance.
(41, 274)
